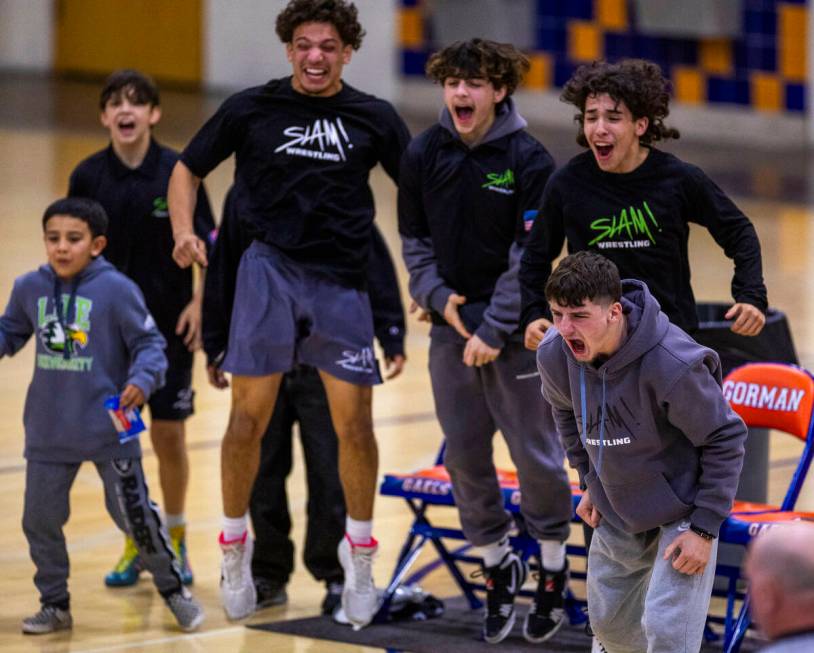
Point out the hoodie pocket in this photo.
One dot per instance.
(648, 502)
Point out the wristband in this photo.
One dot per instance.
(701, 532)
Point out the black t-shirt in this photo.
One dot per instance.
(139, 232)
(640, 221)
(302, 165)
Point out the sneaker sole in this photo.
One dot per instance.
(507, 627)
(544, 638)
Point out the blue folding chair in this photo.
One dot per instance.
(430, 488)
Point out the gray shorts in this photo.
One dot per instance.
(285, 315)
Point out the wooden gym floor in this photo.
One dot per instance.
(45, 129)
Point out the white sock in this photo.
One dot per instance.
(492, 554)
(234, 527)
(359, 532)
(552, 553)
(175, 520)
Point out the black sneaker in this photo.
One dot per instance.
(270, 593)
(333, 598)
(546, 614)
(503, 583)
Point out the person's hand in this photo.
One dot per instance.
(478, 353)
(749, 320)
(131, 397)
(690, 553)
(189, 324)
(452, 316)
(587, 511)
(535, 332)
(188, 249)
(217, 377)
(423, 315)
(393, 366)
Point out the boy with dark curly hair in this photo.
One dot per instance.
(304, 147)
(468, 192)
(633, 203)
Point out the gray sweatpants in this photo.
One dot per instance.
(638, 603)
(46, 511)
(471, 403)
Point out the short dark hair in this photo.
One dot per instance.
(138, 87)
(339, 13)
(501, 63)
(636, 82)
(81, 208)
(584, 276)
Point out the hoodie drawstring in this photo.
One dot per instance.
(583, 409)
(63, 319)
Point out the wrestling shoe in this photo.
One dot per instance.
(546, 614)
(128, 568)
(237, 591)
(359, 598)
(179, 546)
(503, 583)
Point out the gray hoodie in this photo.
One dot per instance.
(101, 340)
(648, 431)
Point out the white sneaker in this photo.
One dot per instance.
(360, 602)
(237, 591)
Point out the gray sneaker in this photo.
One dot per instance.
(48, 620)
(187, 611)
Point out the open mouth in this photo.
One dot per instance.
(603, 152)
(577, 346)
(127, 127)
(315, 74)
(464, 114)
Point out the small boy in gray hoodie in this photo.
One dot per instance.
(95, 338)
(639, 407)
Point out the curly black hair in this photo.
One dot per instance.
(636, 82)
(339, 13)
(501, 63)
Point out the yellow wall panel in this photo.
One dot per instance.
(767, 91)
(791, 41)
(162, 38)
(411, 27)
(539, 76)
(689, 85)
(715, 56)
(584, 41)
(612, 14)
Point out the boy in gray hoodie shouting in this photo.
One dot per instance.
(95, 338)
(639, 407)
